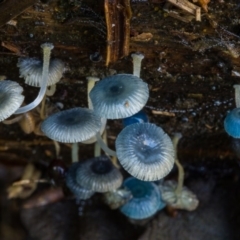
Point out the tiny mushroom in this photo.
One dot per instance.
(47, 47)
(145, 151)
(139, 117)
(146, 200)
(11, 98)
(72, 125)
(99, 175)
(119, 96)
(232, 123)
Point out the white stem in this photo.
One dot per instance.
(175, 140)
(137, 60)
(14, 120)
(237, 95)
(91, 84)
(75, 148)
(47, 47)
(97, 150)
(104, 147)
(57, 148)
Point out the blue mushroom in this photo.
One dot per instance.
(119, 96)
(232, 123)
(139, 117)
(145, 151)
(11, 98)
(146, 200)
(72, 125)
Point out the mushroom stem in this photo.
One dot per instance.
(91, 83)
(97, 150)
(237, 95)
(57, 148)
(42, 111)
(47, 47)
(180, 177)
(75, 148)
(137, 59)
(104, 147)
(179, 187)
(13, 120)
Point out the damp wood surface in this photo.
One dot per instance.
(188, 67)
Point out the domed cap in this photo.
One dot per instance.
(119, 96)
(232, 123)
(146, 200)
(73, 125)
(11, 98)
(79, 191)
(31, 70)
(145, 151)
(99, 175)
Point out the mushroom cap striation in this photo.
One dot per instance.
(11, 98)
(146, 200)
(232, 123)
(73, 125)
(145, 151)
(31, 70)
(79, 191)
(119, 96)
(99, 175)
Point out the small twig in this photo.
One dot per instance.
(29, 181)
(169, 114)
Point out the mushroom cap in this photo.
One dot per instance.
(146, 200)
(119, 96)
(72, 125)
(11, 98)
(31, 70)
(79, 191)
(99, 175)
(139, 117)
(145, 151)
(232, 123)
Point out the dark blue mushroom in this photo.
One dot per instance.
(232, 123)
(139, 117)
(146, 200)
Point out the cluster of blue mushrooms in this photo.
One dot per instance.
(143, 149)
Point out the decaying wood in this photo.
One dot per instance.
(118, 15)
(188, 7)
